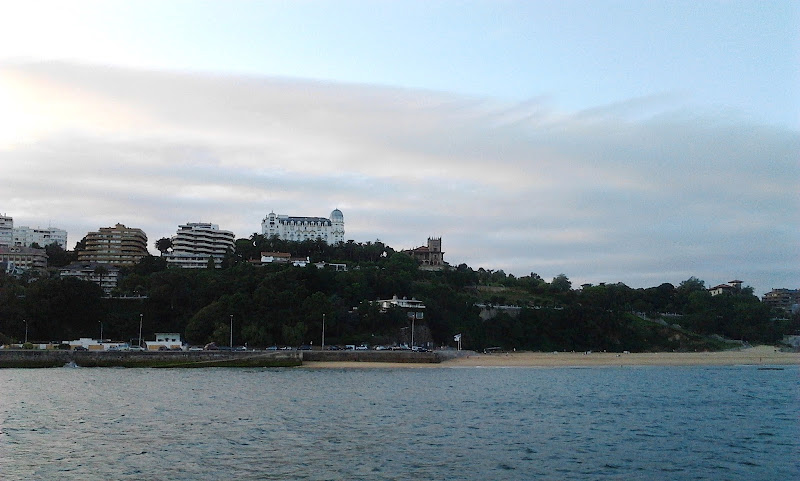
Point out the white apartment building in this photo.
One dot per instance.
(6, 230)
(196, 242)
(25, 236)
(304, 228)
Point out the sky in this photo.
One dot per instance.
(612, 141)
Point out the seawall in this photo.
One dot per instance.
(186, 359)
(371, 356)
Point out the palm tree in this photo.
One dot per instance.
(164, 244)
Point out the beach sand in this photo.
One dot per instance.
(760, 355)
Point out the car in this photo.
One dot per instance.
(137, 348)
(272, 348)
(196, 348)
(79, 348)
(304, 347)
(362, 347)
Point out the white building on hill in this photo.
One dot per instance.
(6, 230)
(25, 236)
(196, 242)
(304, 228)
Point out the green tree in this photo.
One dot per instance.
(561, 283)
(57, 256)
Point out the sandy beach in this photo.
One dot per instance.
(759, 355)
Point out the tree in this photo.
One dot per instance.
(56, 256)
(164, 245)
(561, 283)
(101, 271)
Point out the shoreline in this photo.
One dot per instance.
(755, 356)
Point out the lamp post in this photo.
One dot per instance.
(140, 329)
(413, 318)
(101, 330)
(323, 332)
(26, 330)
(231, 331)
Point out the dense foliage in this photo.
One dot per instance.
(278, 304)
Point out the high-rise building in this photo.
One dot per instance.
(118, 245)
(25, 236)
(6, 230)
(304, 228)
(197, 242)
(786, 299)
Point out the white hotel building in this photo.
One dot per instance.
(196, 242)
(304, 228)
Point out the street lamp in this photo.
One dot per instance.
(101, 330)
(140, 329)
(231, 331)
(26, 330)
(413, 318)
(323, 332)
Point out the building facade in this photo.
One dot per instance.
(430, 256)
(785, 299)
(731, 287)
(25, 236)
(197, 242)
(118, 246)
(6, 230)
(19, 259)
(304, 228)
(104, 275)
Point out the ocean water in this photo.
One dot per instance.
(642, 423)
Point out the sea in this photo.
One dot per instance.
(451, 423)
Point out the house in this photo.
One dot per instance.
(729, 288)
(283, 258)
(168, 340)
(430, 256)
(414, 308)
(275, 257)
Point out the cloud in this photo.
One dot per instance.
(632, 192)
